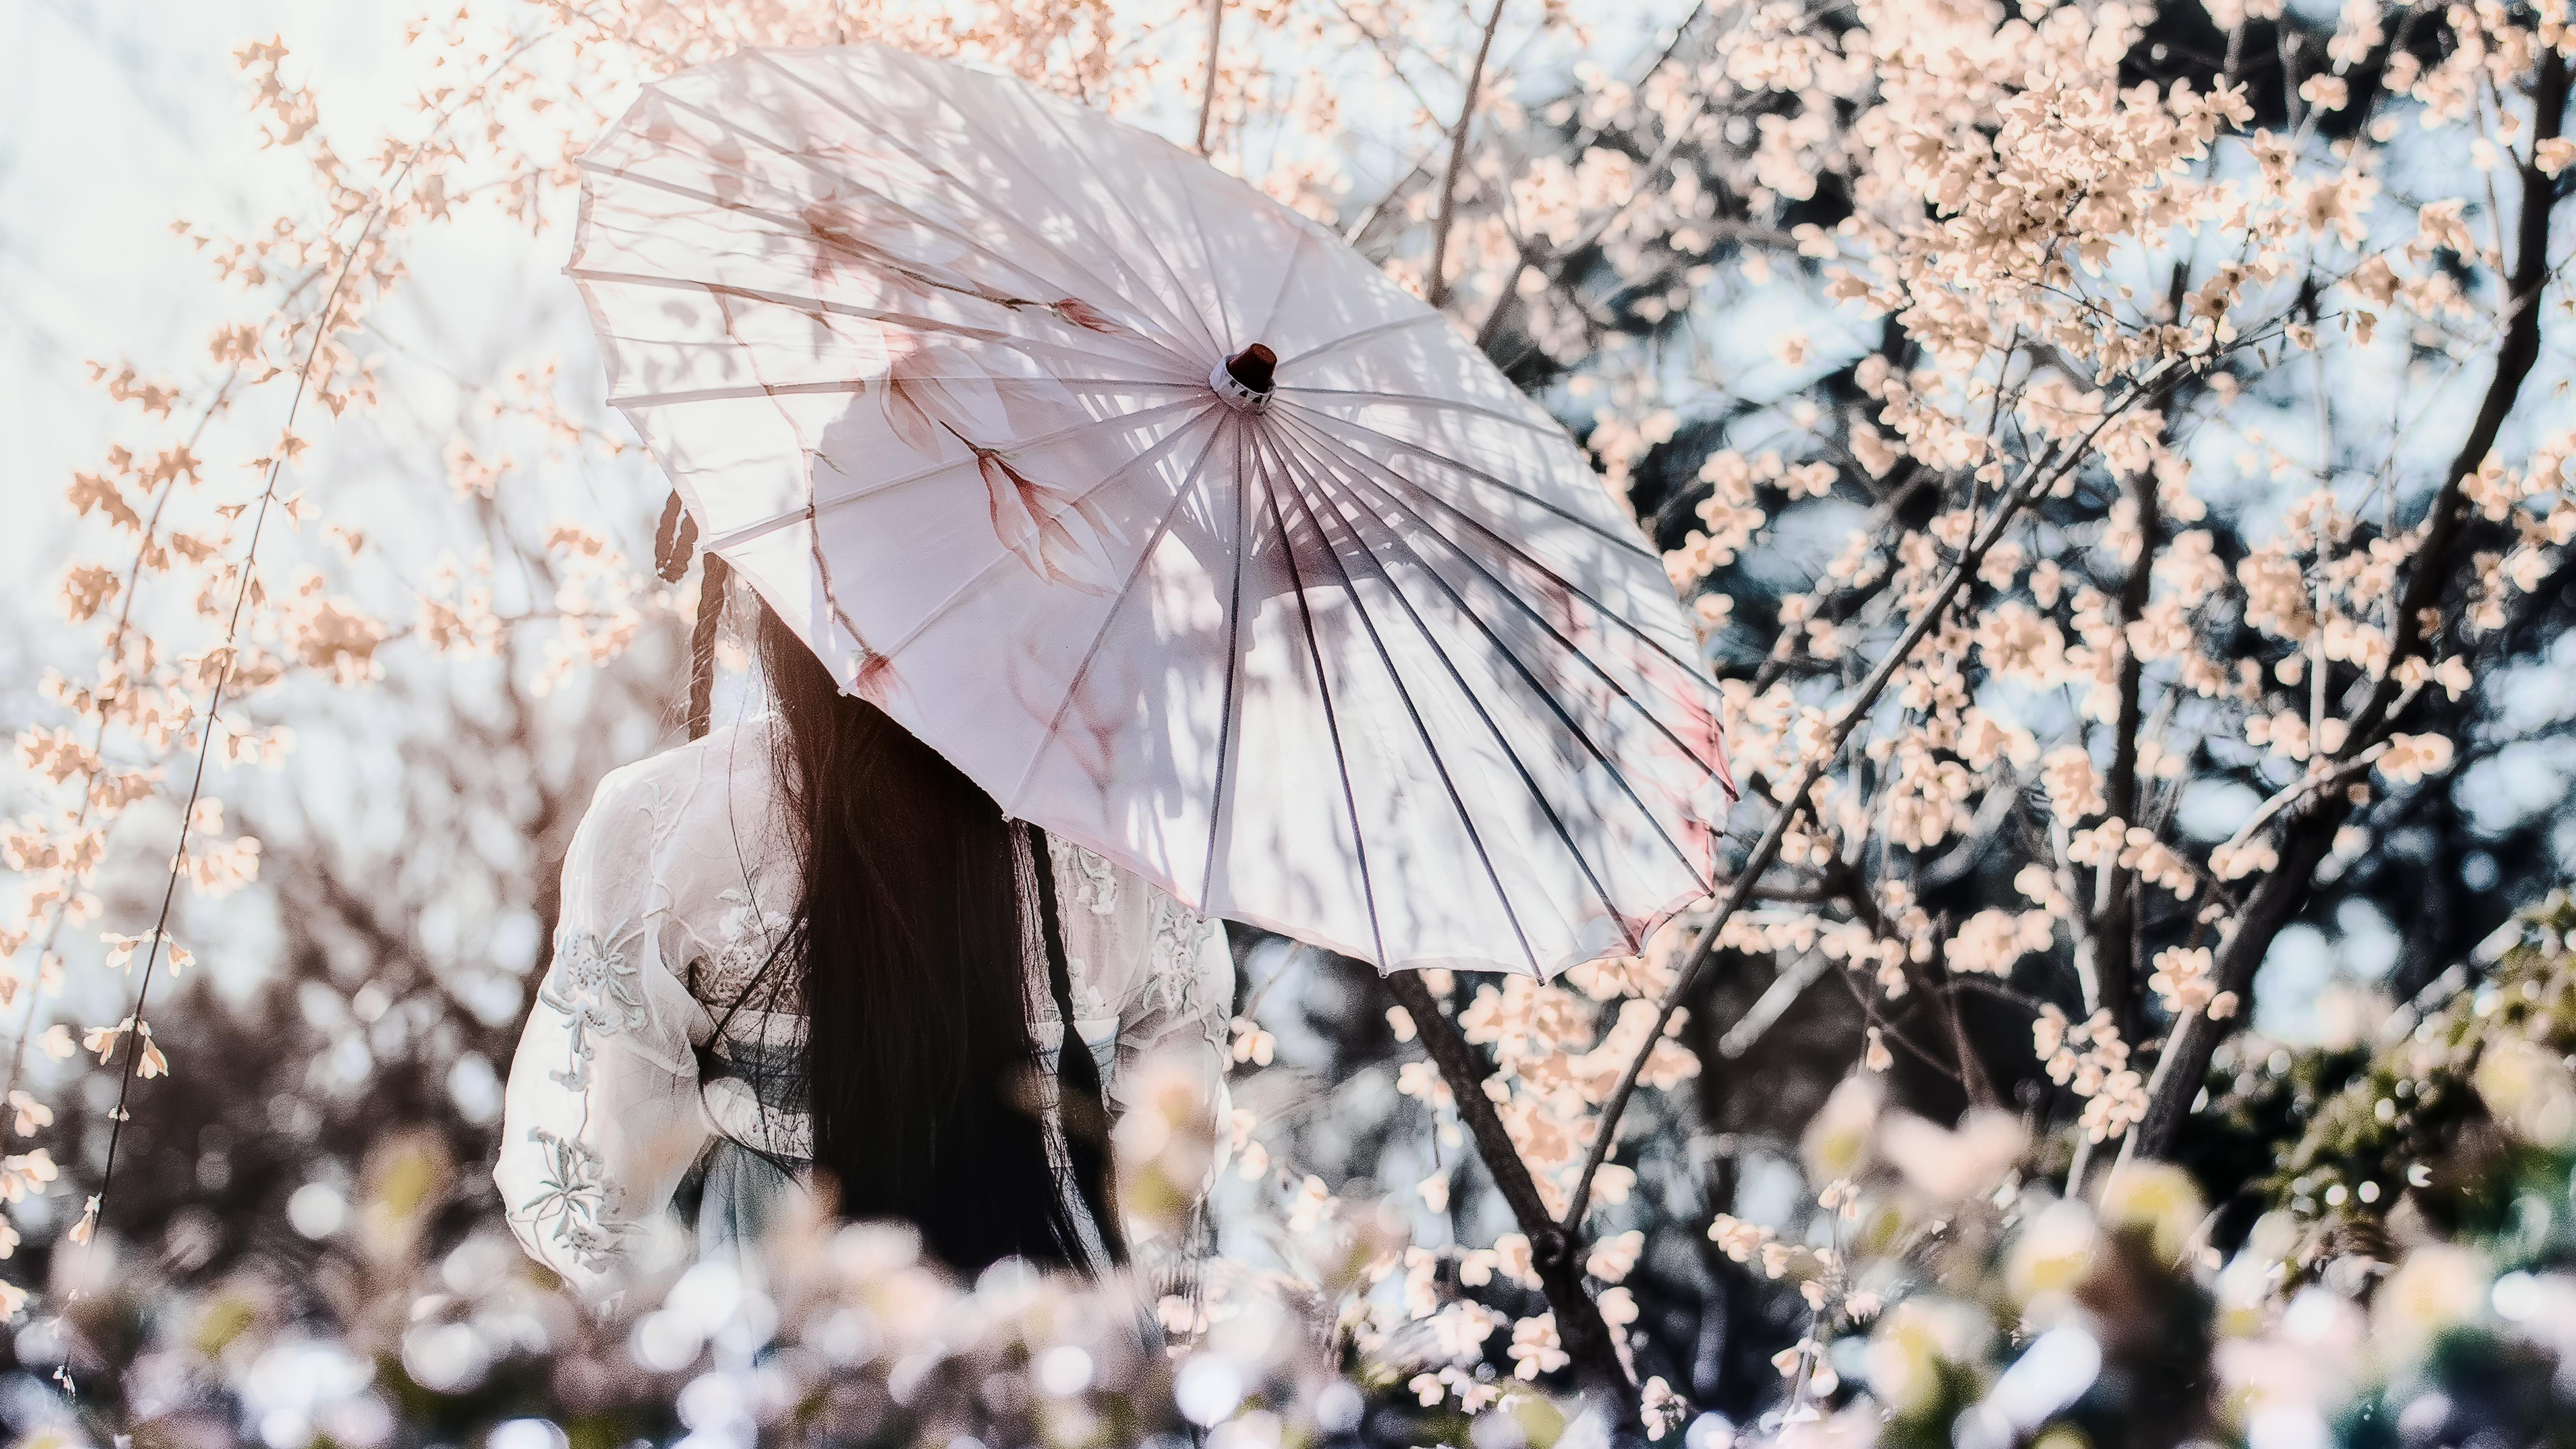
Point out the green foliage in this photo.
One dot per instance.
(2458, 1125)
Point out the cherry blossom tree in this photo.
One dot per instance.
(2116, 454)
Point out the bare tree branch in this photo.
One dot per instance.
(1207, 90)
(1436, 287)
(2115, 906)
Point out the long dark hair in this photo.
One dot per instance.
(911, 943)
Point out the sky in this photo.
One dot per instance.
(116, 117)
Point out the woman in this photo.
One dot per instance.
(808, 948)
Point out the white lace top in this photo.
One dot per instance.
(674, 891)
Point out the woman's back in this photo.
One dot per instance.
(664, 1035)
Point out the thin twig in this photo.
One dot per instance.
(1207, 92)
(1436, 291)
(98, 739)
(1772, 1004)
(1352, 233)
(206, 737)
(2301, 788)
(232, 628)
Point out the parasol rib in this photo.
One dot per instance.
(1233, 667)
(958, 333)
(1176, 310)
(821, 506)
(1349, 340)
(1467, 692)
(1198, 230)
(1537, 687)
(861, 384)
(1372, 397)
(848, 179)
(1600, 609)
(1627, 543)
(1430, 748)
(1287, 275)
(1099, 636)
(1332, 720)
(1504, 587)
(1030, 101)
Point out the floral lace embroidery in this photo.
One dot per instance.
(749, 935)
(660, 810)
(1092, 882)
(1088, 1003)
(1179, 936)
(1095, 884)
(574, 1202)
(597, 990)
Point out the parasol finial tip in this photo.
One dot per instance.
(1256, 367)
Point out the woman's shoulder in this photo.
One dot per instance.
(646, 802)
(1144, 944)
(1102, 885)
(721, 753)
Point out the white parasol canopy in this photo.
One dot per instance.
(1356, 648)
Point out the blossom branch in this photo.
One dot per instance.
(1529, 247)
(2042, 475)
(230, 650)
(1579, 1325)
(98, 739)
(2310, 834)
(2116, 910)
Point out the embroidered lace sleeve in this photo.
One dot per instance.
(1159, 979)
(602, 1113)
